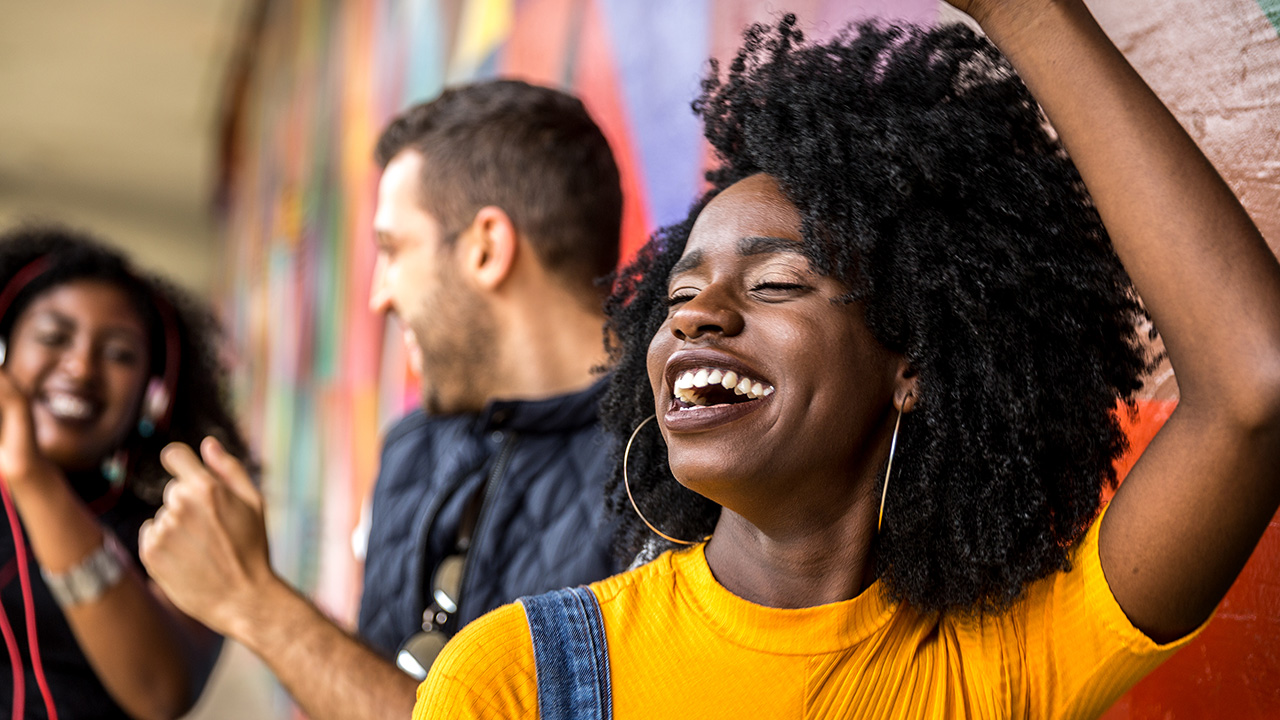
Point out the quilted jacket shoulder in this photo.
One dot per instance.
(543, 525)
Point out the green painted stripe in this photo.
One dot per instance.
(1271, 8)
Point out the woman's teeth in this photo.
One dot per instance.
(691, 385)
(69, 407)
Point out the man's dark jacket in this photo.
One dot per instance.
(542, 525)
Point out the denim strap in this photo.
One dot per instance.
(570, 654)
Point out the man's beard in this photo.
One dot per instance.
(455, 333)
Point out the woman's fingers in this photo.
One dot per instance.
(20, 460)
(15, 412)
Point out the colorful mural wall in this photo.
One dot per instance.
(320, 377)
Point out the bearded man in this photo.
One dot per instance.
(499, 207)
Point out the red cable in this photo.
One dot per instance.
(15, 659)
(24, 575)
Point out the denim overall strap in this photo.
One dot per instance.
(570, 654)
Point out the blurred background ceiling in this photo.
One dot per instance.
(108, 120)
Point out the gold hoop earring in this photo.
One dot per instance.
(626, 455)
(884, 494)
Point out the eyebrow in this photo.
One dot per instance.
(747, 246)
(686, 263)
(760, 245)
(66, 322)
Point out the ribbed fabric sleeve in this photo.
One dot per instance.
(681, 645)
(1082, 653)
(486, 671)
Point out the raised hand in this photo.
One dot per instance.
(21, 464)
(207, 550)
(207, 547)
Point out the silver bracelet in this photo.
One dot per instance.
(93, 576)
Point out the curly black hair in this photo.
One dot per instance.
(931, 185)
(200, 405)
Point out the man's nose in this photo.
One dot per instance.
(379, 290)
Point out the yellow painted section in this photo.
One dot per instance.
(485, 25)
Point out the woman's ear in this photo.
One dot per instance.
(492, 245)
(905, 387)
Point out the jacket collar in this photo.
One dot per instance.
(553, 414)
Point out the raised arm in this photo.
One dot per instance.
(1191, 511)
(208, 550)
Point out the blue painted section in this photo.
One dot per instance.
(424, 76)
(659, 62)
(390, 45)
(489, 67)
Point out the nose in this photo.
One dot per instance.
(79, 360)
(712, 310)
(379, 289)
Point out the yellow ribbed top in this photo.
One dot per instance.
(680, 645)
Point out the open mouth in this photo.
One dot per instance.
(69, 407)
(709, 387)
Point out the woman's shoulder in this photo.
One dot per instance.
(648, 590)
(661, 570)
(1066, 639)
(1077, 603)
(486, 671)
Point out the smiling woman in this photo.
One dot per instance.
(102, 366)
(77, 424)
(812, 382)
(883, 357)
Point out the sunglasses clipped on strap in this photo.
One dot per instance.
(419, 650)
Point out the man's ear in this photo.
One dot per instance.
(905, 391)
(490, 247)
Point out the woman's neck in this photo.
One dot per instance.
(808, 566)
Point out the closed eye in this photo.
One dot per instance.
(123, 355)
(679, 297)
(52, 339)
(774, 289)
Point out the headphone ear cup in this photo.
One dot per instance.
(4, 351)
(155, 405)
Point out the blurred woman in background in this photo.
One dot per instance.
(103, 365)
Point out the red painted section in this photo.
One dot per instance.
(1152, 415)
(596, 82)
(539, 43)
(1233, 669)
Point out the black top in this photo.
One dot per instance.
(75, 688)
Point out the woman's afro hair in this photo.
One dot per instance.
(200, 403)
(931, 185)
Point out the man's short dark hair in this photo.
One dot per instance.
(532, 151)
